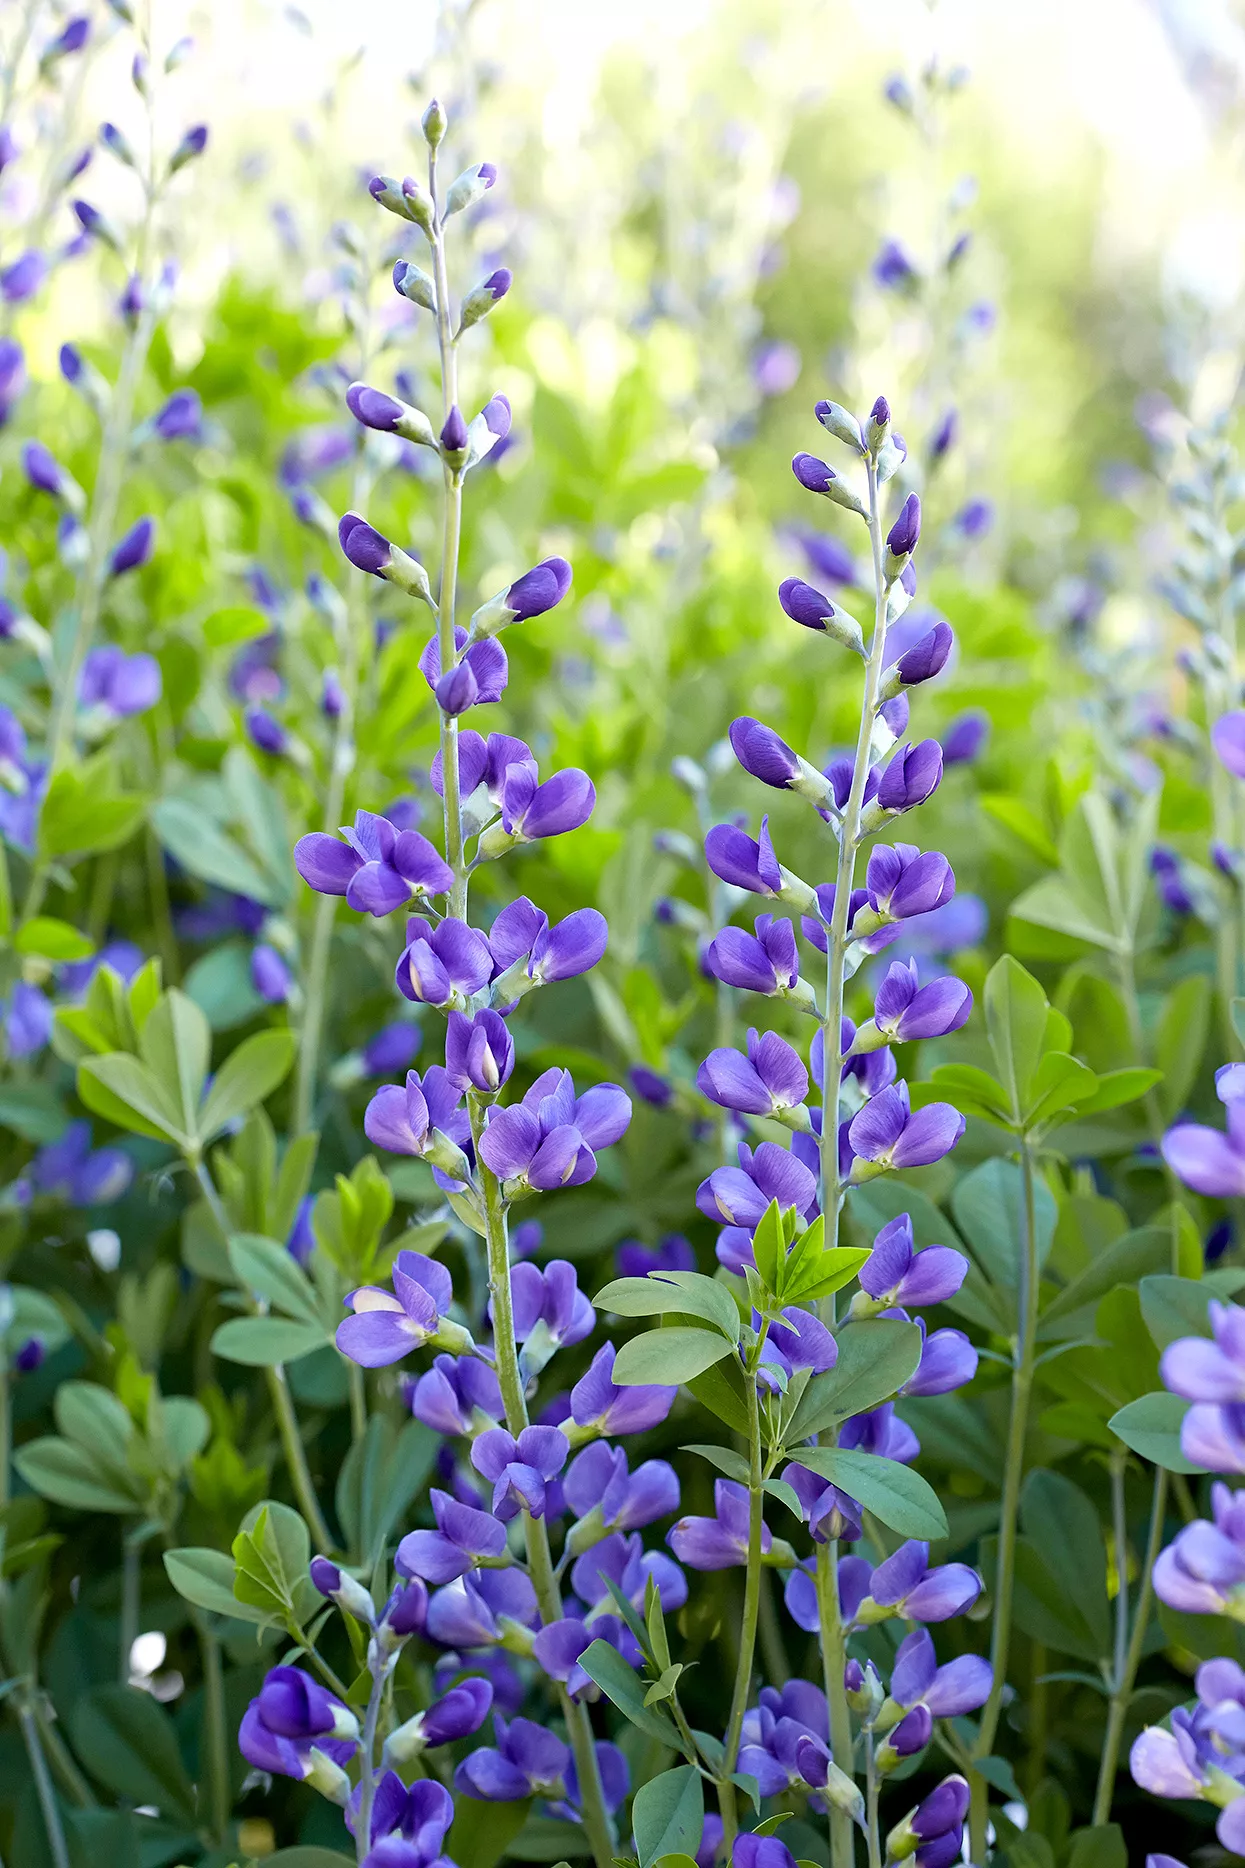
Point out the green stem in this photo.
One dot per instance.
(367, 1778)
(834, 1660)
(43, 1786)
(539, 1559)
(1009, 1508)
(1122, 1694)
(131, 1602)
(358, 1402)
(752, 1601)
(447, 596)
(871, 1802)
(216, 1743)
(161, 914)
(773, 1649)
(61, 1759)
(1119, 1532)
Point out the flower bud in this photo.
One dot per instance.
(434, 124)
(112, 139)
(191, 146)
(816, 477)
(862, 1689)
(340, 1587)
(902, 538)
(921, 662)
(806, 605)
(453, 438)
(414, 284)
(469, 187)
(387, 415)
(839, 422)
(878, 425)
(891, 456)
(97, 225)
(479, 302)
(328, 1778)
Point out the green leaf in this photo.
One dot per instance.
(733, 1464)
(1175, 1307)
(205, 849)
(1061, 1526)
(1052, 904)
(1123, 1262)
(668, 1814)
(247, 1077)
(875, 1359)
(272, 1551)
(661, 1292)
(82, 813)
(270, 1270)
(1118, 1087)
(96, 1419)
(668, 1356)
(65, 1473)
(263, 1342)
(974, 1092)
(206, 1578)
(128, 1743)
(482, 1832)
(901, 1498)
(237, 622)
(1101, 1847)
(989, 1208)
(52, 940)
(769, 1246)
(1151, 1427)
(176, 1045)
(722, 1390)
(1023, 822)
(1059, 1083)
(220, 984)
(621, 1684)
(380, 1478)
(1016, 1009)
(123, 1090)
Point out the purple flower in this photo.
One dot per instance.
(599, 1481)
(537, 591)
(519, 1468)
(769, 1080)
(366, 548)
(521, 932)
(121, 684)
(912, 775)
(300, 1241)
(965, 738)
(265, 732)
(905, 1010)
(295, 1728)
(393, 1047)
(734, 857)
(22, 278)
(753, 1851)
(827, 557)
(12, 373)
(888, 1135)
(599, 1406)
(408, 1827)
(181, 418)
(479, 1051)
(902, 881)
(530, 810)
(463, 1536)
(975, 518)
(828, 1511)
(773, 1730)
(551, 1302)
(903, 535)
(895, 1273)
(443, 965)
(483, 669)
(948, 1361)
(740, 1195)
(135, 548)
(270, 975)
(905, 1585)
(650, 1087)
(720, 1542)
(528, 1761)
(880, 1431)
(1202, 1572)
(1227, 736)
(559, 1645)
(1201, 1757)
(767, 962)
(377, 868)
(806, 605)
(27, 1020)
(387, 1325)
(43, 470)
(962, 1685)
(71, 38)
(472, 1611)
(374, 408)
(894, 271)
(457, 1395)
(800, 1341)
(70, 1170)
(191, 144)
(549, 1139)
(763, 754)
(403, 1119)
(622, 1560)
(1205, 1159)
(925, 658)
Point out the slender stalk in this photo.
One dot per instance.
(43, 1786)
(1119, 1532)
(215, 1740)
(539, 1559)
(367, 1752)
(161, 913)
(447, 596)
(833, 1660)
(358, 1402)
(871, 1802)
(752, 1602)
(131, 1602)
(773, 1650)
(1126, 1674)
(61, 1759)
(1009, 1509)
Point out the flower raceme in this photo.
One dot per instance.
(549, 1139)
(377, 868)
(295, 1728)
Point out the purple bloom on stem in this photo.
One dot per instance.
(530, 810)
(1227, 736)
(270, 975)
(27, 1020)
(455, 1394)
(539, 590)
(393, 1047)
(902, 538)
(902, 881)
(766, 963)
(830, 559)
(135, 548)
(485, 661)
(904, 1009)
(69, 1169)
(895, 1273)
(912, 775)
(378, 868)
(571, 947)
(975, 518)
(740, 1195)
(471, 1611)
(374, 408)
(519, 1468)
(813, 474)
(123, 684)
(549, 1139)
(265, 732)
(650, 1087)
(43, 470)
(628, 1566)
(1206, 1159)
(600, 1406)
(965, 738)
(763, 754)
(479, 1051)
(948, 1361)
(671, 1253)
(887, 1134)
(366, 548)
(1203, 1570)
(387, 1325)
(735, 858)
(905, 1585)
(181, 418)
(528, 1761)
(880, 1431)
(894, 271)
(292, 1718)
(720, 1542)
(828, 1511)
(962, 1685)
(440, 964)
(22, 278)
(551, 1300)
(463, 1536)
(408, 1827)
(806, 605)
(770, 1079)
(599, 1479)
(926, 658)
(403, 1118)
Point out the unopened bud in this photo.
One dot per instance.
(479, 302)
(469, 187)
(877, 426)
(841, 423)
(414, 284)
(434, 124)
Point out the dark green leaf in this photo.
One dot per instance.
(901, 1498)
(668, 1814)
(482, 1832)
(660, 1293)
(127, 1741)
(733, 1464)
(271, 1272)
(621, 1684)
(248, 1076)
(206, 1578)
(669, 1356)
(264, 1342)
(1175, 1307)
(1151, 1427)
(875, 1358)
